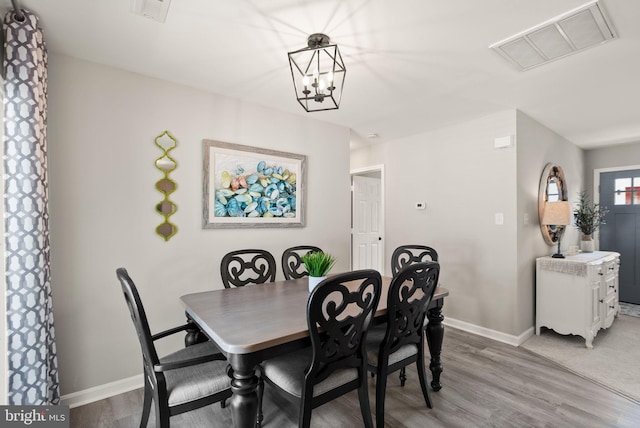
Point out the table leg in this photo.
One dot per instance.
(194, 335)
(244, 384)
(435, 334)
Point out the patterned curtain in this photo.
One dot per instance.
(32, 363)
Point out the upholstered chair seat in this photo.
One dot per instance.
(287, 372)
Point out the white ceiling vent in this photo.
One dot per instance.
(152, 9)
(563, 35)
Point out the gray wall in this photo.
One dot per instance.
(610, 157)
(488, 268)
(102, 123)
(464, 182)
(537, 146)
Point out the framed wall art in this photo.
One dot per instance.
(251, 187)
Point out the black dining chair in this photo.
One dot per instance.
(185, 380)
(400, 341)
(243, 267)
(407, 254)
(339, 311)
(292, 265)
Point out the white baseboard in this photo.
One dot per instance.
(101, 392)
(489, 333)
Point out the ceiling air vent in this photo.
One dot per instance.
(563, 35)
(152, 9)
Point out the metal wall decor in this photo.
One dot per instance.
(166, 186)
(318, 74)
(553, 188)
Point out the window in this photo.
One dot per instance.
(627, 191)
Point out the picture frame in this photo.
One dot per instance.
(251, 187)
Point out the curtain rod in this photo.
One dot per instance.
(17, 11)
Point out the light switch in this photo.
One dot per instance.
(499, 218)
(421, 205)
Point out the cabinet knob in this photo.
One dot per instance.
(612, 268)
(600, 273)
(612, 286)
(612, 307)
(601, 300)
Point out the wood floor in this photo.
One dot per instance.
(485, 384)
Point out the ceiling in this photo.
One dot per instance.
(412, 65)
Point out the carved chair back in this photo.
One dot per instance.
(292, 265)
(242, 267)
(339, 312)
(407, 254)
(410, 294)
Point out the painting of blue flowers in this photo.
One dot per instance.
(248, 186)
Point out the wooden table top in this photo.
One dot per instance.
(256, 317)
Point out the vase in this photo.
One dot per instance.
(314, 281)
(586, 244)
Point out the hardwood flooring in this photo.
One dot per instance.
(485, 384)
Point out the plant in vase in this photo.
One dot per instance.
(318, 264)
(589, 217)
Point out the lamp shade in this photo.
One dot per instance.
(556, 213)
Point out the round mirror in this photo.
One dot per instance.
(553, 188)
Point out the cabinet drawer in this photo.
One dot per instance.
(610, 285)
(610, 267)
(610, 308)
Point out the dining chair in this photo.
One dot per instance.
(292, 265)
(185, 380)
(242, 267)
(339, 311)
(400, 341)
(408, 254)
(405, 255)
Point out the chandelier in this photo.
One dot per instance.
(318, 74)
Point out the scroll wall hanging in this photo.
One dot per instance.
(166, 164)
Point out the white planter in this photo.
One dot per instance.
(586, 245)
(315, 280)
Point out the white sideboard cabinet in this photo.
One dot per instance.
(578, 294)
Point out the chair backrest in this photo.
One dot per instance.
(410, 294)
(242, 267)
(408, 254)
(138, 316)
(339, 312)
(292, 266)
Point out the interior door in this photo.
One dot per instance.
(620, 193)
(366, 236)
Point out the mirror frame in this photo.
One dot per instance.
(166, 208)
(551, 171)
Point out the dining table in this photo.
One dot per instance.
(253, 323)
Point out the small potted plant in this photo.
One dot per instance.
(318, 264)
(589, 217)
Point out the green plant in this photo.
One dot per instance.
(318, 263)
(588, 216)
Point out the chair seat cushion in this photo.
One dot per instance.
(375, 336)
(287, 372)
(194, 382)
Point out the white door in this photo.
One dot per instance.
(366, 232)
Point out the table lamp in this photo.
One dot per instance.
(557, 214)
